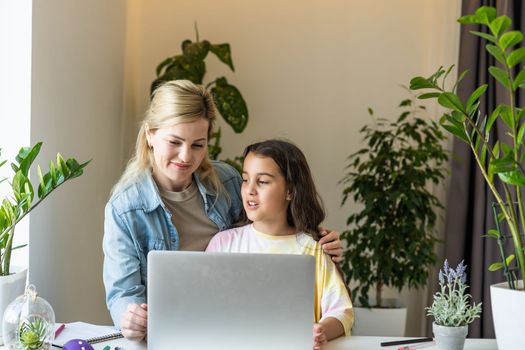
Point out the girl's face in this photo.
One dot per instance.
(264, 192)
(178, 151)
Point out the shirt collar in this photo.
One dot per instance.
(149, 191)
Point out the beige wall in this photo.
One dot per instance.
(77, 64)
(307, 69)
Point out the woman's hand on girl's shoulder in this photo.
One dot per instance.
(331, 244)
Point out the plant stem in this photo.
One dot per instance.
(516, 237)
(196, 32)
(7, 253)
(508, 212)
(379, 292)
(32, 207)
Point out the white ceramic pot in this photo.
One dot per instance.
(449, 338)
(508, 312)
(11, 287)
(386, 322)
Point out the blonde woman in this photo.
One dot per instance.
(170, 197)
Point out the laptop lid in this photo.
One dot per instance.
(237, 301)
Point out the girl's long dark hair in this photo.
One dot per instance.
(305, 212)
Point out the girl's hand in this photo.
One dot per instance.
(331, 244)
(134, 322)
(319, 336)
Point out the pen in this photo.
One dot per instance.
(59, 330)
(417, 346)
(406, 341)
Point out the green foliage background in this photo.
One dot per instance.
(391, 240)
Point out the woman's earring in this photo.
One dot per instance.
(288, 197)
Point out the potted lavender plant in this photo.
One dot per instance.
(451, 308)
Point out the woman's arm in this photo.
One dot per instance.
(121, 270)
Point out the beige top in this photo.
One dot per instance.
(193, 225)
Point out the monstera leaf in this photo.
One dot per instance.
(230, 104)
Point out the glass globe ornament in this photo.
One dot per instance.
(29, 322)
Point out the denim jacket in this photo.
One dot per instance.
(137, 221)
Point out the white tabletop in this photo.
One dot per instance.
(373, 343)
(344, 343)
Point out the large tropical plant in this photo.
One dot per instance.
(391, 239)
(190, 65)
(19, 203)
(499, 160)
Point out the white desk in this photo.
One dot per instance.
(345, 343)
(372, 343)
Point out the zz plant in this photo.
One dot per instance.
(390, 241)
(500, 161)
(15, 207)
(190, 65)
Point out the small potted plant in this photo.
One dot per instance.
(15, 206)
(451, 308)
(391, 238)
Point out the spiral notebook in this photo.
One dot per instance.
(89, 332)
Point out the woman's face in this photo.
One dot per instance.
(178, 151)
(264, 192)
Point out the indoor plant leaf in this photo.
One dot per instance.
(198, 50)
(230, 104)
(500, 76)
(497, 53)
(510, 39)
(500, 24)
(516, 57)
(223, 53)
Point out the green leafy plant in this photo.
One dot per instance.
(451, 306)
(499, 160)
(190, 65)
(391, 240)
(32, 334)
(15, 207)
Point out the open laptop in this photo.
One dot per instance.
(237, 301)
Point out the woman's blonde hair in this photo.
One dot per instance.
(172, 103)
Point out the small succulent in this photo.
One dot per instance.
(33, 333)
(451, 306)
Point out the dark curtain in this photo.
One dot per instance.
(469, 202)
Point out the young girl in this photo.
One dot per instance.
(284, 211)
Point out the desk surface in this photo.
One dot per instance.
(345, 343)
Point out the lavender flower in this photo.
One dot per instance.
(460, 272)
(451, 305)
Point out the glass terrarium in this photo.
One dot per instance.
(29, 322)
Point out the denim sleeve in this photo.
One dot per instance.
(234, 189)
(121, 271)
